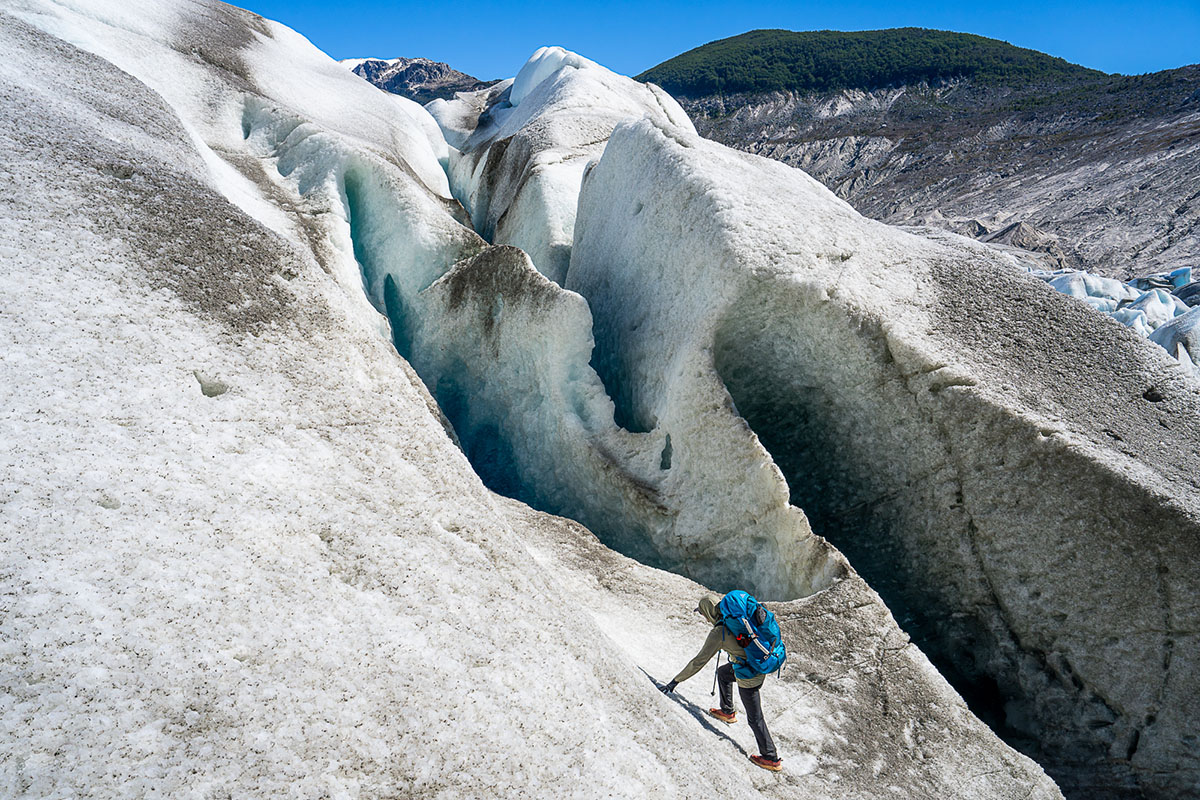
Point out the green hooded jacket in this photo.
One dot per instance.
(719, 638)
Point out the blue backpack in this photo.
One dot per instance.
(756, 631)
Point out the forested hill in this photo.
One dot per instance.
(773, 60)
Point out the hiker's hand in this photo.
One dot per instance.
(670, 687)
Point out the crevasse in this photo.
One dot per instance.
(841, 341)
(505, 351)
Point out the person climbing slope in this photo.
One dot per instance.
(720, 638)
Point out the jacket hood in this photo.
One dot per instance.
(708, 608)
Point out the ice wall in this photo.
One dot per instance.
(506, 355)
(1006, 491)
(235, 539)
(693, 492)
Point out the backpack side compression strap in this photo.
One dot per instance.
(754, 637)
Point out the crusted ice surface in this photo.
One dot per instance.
(992, 456)
(242, 555)
(520, 149)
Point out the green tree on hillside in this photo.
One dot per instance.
(772, 60)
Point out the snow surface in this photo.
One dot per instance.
(354, 63)
(242, 555)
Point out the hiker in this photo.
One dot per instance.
(719, 638)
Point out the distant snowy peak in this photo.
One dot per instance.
(352, 64)
(418, 79)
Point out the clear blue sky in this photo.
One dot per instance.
(492, 40)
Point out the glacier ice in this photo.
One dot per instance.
(520, 148)
(1180, 337)
(934, 410)
(1142, 304)
(1175, 279)
(1158, 306)
(258, 580)
(542, 65)
(1082, 284)
(249, 592)
(487, 318)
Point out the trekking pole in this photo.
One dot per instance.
(714, 689)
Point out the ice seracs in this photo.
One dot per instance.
(1142, 304)
(520, 148)
(1180, 336)
(544, 64)
(677, 494)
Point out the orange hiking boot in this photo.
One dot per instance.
(766, 763)
(728, 719)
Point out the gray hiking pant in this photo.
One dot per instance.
(754, 716)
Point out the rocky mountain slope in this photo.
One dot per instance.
(1089, 171)
(418, 79)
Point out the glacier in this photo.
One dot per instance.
(1143, 304)
(743, 315)
(266, 328)
(520, 148)
(1007, 492)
